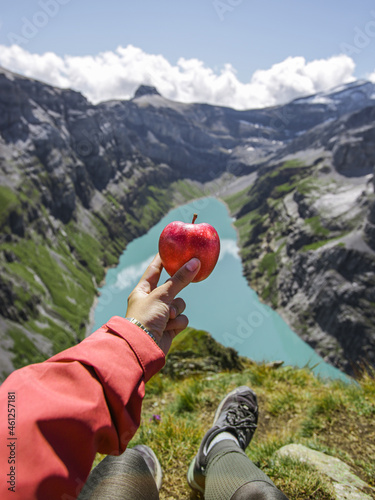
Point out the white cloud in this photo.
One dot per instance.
(116, 75)
(229, 247)
(372, 77)
(130, 276)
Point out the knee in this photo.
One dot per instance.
(258, 490)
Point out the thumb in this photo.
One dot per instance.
(181, 279)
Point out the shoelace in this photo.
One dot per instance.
(241, 418)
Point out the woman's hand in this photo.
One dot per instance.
(156, 307)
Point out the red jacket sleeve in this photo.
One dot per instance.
(83, 400)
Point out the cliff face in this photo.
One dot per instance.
(307, 230)
(80, 181)
(329, 291)
(68, 207)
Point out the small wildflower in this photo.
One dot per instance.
(155, 418)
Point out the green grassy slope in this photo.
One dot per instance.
(50, 273)
(295, 407)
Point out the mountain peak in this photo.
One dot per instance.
(146, 90)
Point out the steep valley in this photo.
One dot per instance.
(78, 182)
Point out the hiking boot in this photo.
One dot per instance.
(237, 414)
(152, 462)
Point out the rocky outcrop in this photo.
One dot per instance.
(309, 246)
(353, 154)
(330, 295)
(308, 252)
(349, 139)
(369, 229)
(206, 356)
(145, 90)
(346, 484)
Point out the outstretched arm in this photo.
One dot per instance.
(87, 398)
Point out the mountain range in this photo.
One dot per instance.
(79, 181)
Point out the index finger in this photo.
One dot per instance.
(151, 276)
(179, 280)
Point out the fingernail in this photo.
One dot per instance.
(192, 265)
(174, 311)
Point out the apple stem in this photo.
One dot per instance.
(194, 218)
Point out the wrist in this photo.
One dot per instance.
(146, 330)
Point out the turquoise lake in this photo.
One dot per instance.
(223, 304)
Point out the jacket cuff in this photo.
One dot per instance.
(149, 354)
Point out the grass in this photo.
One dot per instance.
(8, 202)
(326, 405)
(290, 472)
(24, 351)
(68, 287)
(316, 225)
(295, 407)
(322, 243)
(150, 206)
(113, 200)
(281, 402)
(268, 268)
(188, 397)
(268, 264)
(237, 200)
(187, 190)
(261, 221)
(289, 165)
(283, 189)
(88, 250)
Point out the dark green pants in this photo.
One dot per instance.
(230, 476)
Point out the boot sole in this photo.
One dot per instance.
(158, 472)
(190, 477)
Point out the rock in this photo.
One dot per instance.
(145, 90)
(305, 209)
(301, 236)
(369, 232)
(371, 214)
(304, 260)
(349, 139)
(63, 197)
(334, 301)
(10, 256)
(7, 300)
(274, 364)
(16, 222)
(353, 154)
(346, 484)
(207, 356)
(369, 229)
(186, 363)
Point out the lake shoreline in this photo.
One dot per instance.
(223, 305)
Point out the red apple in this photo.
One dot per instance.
(179, 242)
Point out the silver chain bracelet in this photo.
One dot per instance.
(138, 323)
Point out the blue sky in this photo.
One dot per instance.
(249, 35)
